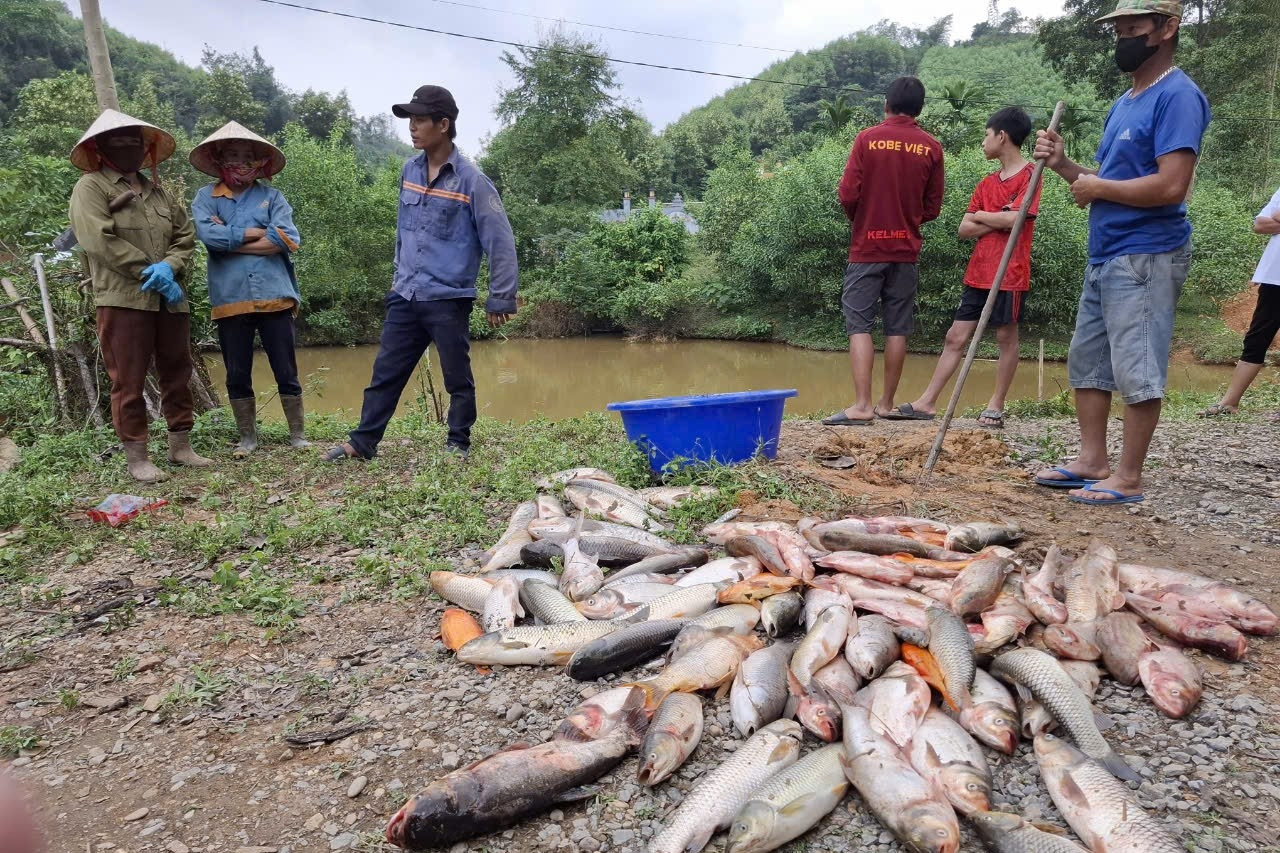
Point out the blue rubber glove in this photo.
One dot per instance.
(159, 278)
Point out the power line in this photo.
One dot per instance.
(857, 90)
(616, 29)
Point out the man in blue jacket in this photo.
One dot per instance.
(450, 215)
(248, 229)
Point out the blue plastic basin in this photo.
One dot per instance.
(722, 428)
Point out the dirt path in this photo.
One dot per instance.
(196, 757)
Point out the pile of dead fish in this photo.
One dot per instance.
(862, 621)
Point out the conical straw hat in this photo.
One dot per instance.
(204, 156)
(159, 144)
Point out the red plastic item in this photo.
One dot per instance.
(117, 509)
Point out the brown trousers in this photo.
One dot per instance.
(130, 338)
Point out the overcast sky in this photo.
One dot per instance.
(379, 65)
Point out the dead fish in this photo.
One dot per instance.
(1101, 810)
(646, 577)
(790, 803)
(457, 628)
(546, 602)
(672, 737)
(609, 551)
(952, 647)
(923, 567)
(780, 613)
(760, 548)
(897, 700)
(944, 752)
(612, 503)
(871, 647)
(669, 497)
(820, 645)
(977, 587)
(506, 552)
(721, 793)
(684, 602)
(720, 532)
(1121, 642)
(548, 507)
(582, 574)
(1171, 679)
(560, 478)
(509, 786)
(624, 648)
(559, 529)
(1004, 621)
(881, 544)
(710, 664)
(1074, 640)
(1009, 833)
(818, 598)
(595, 717)
(502, 606)
(662, 564)
(1214, 637)
(1037, 589)
(895, 793)
(739, 618)
(1203, 596)
(1046, 680)
(1035, 717)
(534, 645)
(730, 569)
(884, 569)
(792, 548)
(610, 603)
(818, 710)
(759, 692)
(466, 591)
(523, 575)
(976, 535)
(993, 716)
(757, 588)
(1091, 585)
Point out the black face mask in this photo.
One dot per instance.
(1132, 52)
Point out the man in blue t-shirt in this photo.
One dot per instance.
(1139, 250)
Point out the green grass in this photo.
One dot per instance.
(14, 739)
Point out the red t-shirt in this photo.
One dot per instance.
(892, 184)
(994, 195)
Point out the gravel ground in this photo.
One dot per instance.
(220, 776)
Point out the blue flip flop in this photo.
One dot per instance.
(1073, 482)
(1116, 497)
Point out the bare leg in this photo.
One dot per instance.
(1007, 339)
(1093, 407)
(1241, 379)
(1140, 420)
(862, 356)
(948, 364)
(895, 355)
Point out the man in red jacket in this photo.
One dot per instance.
(892, 184)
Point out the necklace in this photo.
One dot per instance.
(1170, 69)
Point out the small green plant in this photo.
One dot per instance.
(15, 739)
(124, 669)
(316, 685)
(202, 691)
(69, 699)
(124, 616)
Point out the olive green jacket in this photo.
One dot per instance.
(154, 227)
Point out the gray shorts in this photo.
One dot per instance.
(893, 285)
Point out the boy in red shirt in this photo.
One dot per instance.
(892, 184)
(992, 211)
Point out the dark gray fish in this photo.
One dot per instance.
(623, 649)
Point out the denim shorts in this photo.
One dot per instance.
(1124, 326)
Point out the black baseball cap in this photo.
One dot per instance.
(428, 101)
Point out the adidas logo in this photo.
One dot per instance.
(1125, 135)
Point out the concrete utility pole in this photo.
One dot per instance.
(95, 39)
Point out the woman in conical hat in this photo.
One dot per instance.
(139, 241)
(248, 229)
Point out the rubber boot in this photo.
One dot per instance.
(139, 465)
(246, 412)
(180, 452)
(294, 417)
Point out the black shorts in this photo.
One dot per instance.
(1007, 310)
(891, 285)
(1265, 325)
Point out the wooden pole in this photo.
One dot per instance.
(28, 324)
(1009, 246)
(1040, 373)
(95, 40)
(37, 261)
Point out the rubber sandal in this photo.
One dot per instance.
(1116, 497)
(338, 453)
(841, 419)
(1073, 481)
(991, 415)
(907, 412)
